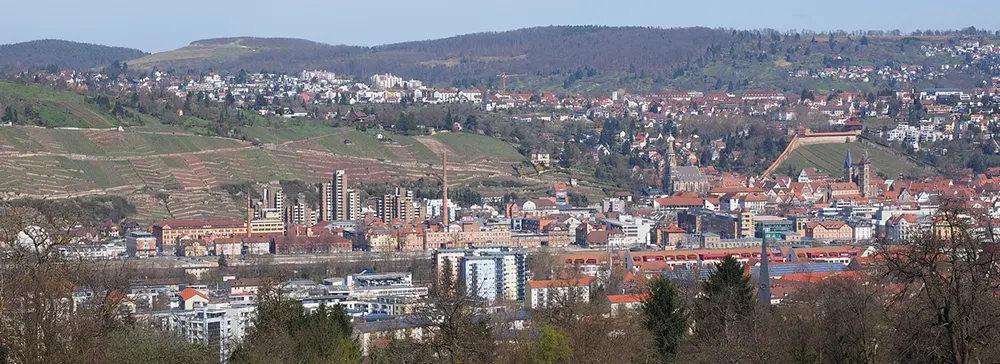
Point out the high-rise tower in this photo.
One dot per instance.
(336, 204)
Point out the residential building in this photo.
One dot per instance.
(191, 298)
(141, 244)
(626, 303)
(544, 293)
(218, 326)
(396, 206)
(903, 227)
(169, 232)
(100, 251)
(490, 273)
(637, 231)
(338, 201)
(829, 231)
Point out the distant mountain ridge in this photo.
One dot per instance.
(576, 58)
(540, 51)
(62, 54)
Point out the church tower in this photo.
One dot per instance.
(848, 168)
(865, 177)
(670, 172)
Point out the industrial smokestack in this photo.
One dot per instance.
(444, 201)
(249, 214)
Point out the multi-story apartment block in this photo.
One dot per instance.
(491, 273)
(338, 201)
(217, 326)
(385, 81)
(397, 205)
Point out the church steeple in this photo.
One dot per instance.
(848, 167)
(670, 170)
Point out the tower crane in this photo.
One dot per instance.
(503, 79)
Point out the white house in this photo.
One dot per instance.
(542, 294)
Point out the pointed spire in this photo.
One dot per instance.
(848, 162)
(763, 275)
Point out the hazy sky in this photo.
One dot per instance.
(155, 26)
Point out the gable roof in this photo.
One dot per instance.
(627, 298)
(189, 293)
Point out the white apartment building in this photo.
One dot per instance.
(636, 229)
(385, 81)
(542, 294)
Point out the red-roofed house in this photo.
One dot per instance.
(622, 303)
(543, 293)
(192, 298)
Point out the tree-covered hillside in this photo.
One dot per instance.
(583, 57)
(61, 54)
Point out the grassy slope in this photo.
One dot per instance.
(189, 53)
(475, 145)
(59, 108)
(829, 158)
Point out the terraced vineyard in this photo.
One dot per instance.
(146, 164)
(829, 158)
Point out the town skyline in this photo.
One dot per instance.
(560, 195)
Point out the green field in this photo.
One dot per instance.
(829, 158)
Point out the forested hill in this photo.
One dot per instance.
(583, 58)
(61, 54)
(534, 51)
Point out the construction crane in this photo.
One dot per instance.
(503, 79)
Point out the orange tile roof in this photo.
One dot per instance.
(189, 293)
(627, 298)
